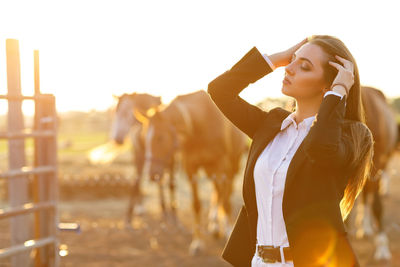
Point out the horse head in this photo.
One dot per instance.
(125, 119)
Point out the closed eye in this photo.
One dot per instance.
(305, 67)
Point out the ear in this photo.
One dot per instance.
(115, 96)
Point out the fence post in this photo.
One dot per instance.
(17, 188)
(36, 71)
(38, 179)
(46, 185)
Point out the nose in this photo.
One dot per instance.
(289, 69)
(118, 140)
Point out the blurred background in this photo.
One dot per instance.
(93, 51)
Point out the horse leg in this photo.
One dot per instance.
(197, 243)
(377, 208)
(382, 250)
(161, 195)
(364, 217)
(213, 211)
(135, 197)
(172, 193)
(384, 183)
(227, 220)
(220, 214)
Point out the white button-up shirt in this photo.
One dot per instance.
(269, 177)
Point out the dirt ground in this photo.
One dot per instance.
(152, 241)
(104, 241)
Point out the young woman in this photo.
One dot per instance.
(306, 168)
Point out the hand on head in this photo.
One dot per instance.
(283, 58)
(345, 76)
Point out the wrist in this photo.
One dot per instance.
(277, 60)
(339, 88)
(266, 57)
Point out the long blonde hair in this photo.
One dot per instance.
(360, 137)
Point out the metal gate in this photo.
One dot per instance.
(33, 238)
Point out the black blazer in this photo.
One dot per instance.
(316, 177)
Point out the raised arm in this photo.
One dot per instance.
(225, 89)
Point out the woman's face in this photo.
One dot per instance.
(304, 76)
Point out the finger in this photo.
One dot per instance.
(304, 41)
(298, 45)
(346, 63)
(336, 65)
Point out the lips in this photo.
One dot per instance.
(286, 81)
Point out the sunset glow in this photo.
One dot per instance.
(90, 50)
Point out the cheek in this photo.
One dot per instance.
(309, 83)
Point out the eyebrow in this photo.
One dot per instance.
(306, 59)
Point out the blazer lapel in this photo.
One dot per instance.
(297, 161)
(260, 141)
(262, 138)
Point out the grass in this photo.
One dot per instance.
(79, 142)
(71, 147)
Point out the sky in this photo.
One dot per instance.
(92, 50)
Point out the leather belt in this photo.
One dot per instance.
(271, 254)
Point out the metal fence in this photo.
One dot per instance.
(42, 250)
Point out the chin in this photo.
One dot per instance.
(285, 91)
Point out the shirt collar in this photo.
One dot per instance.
(290, 119)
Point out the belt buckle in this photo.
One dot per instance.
(261, 254)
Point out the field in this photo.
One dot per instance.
(96, 197)
(105, 242)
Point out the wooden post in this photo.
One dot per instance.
(53, 177)
(17, 188)
(38, 179)
(36, 71)
(46, 184)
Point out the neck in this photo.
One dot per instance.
(306, 108)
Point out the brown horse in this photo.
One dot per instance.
(381, 121)
(193, 126)
(124, 123)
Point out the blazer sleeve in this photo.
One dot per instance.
(224, 91)
(326, 143)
